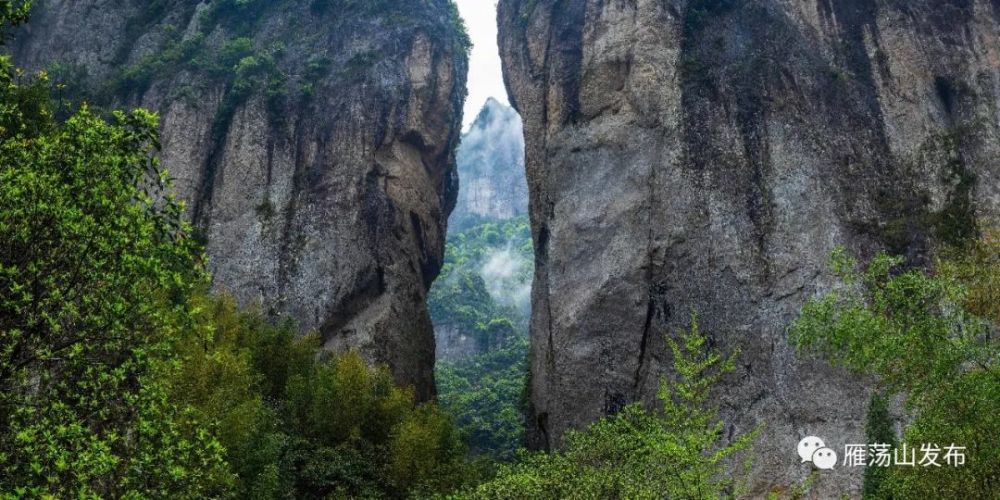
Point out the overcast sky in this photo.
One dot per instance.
(485, 76)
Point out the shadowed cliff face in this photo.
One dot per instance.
(313, 142)
(708, 155)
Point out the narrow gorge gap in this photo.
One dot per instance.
(481, 302)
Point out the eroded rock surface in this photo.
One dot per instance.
(708, 155)
(312, 139)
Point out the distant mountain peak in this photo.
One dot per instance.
(492, 184)
(493, 111)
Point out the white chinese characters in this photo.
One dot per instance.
(885, 455)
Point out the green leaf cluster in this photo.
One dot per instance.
(932, 337)
(296, 422)
(96, 266)
(486, 395)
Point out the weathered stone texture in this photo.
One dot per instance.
(323, 192)
(708, 155)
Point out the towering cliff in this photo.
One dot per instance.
(707, 155)
(491, 168)
(312, 139)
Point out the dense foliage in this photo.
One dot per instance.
(295, 424)
(462, 297)
(675, 452)
(932, 337)
(485, 393)
(95, 270)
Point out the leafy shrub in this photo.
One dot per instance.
(94, 281)
(676, 452)
(932, 337)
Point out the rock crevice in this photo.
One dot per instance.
(708, 155)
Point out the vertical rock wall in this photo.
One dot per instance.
(708, 155)
(312, 140)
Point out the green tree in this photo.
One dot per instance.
(298, 422)
(677, 452)
(907, 326)
(930, 337)
(484, 394)
(227, 368)
(96, 267)
(357, 434)
(878, 429)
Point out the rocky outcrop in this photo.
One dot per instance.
(708, 155)
(454, 344)
(491, 168)
(312, 139)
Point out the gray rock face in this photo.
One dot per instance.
(491, 168)
(313, 141)
(708, 156)
(453, 344)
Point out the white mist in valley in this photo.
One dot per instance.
(486, 278)
(507, 274)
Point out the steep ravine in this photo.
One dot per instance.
(313, 141)
(708, 155)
